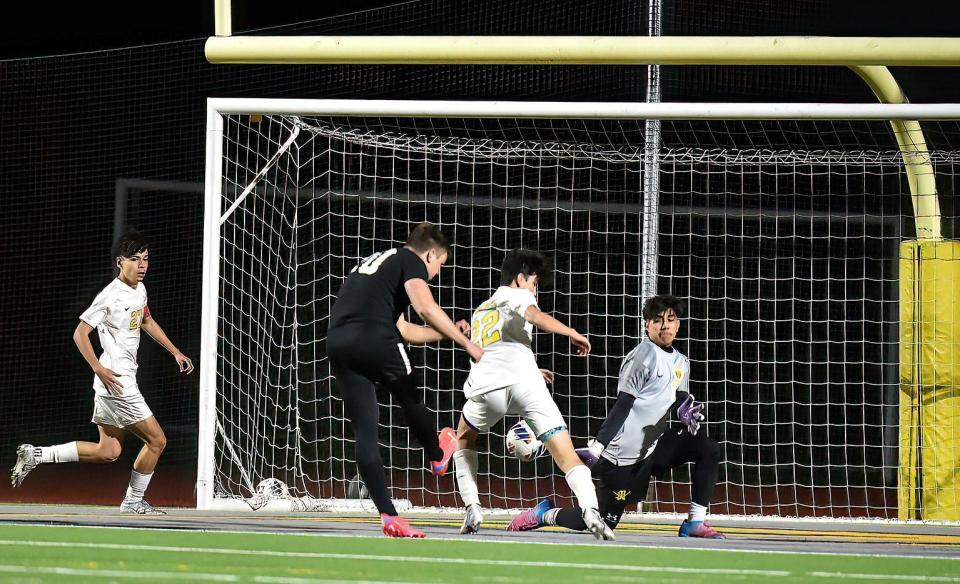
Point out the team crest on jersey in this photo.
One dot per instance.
(677, 377)
(621, 495)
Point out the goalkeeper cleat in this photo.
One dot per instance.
(531, 518)
(26, 462)
(140, 507)
(471, 523)
(448, 444)
(699, 529)
(596, 525)
(394, 526)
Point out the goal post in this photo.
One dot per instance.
(781, 224)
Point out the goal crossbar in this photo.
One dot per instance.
(588, 110)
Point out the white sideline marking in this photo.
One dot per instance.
(427, 560)
(118, 573)
(914, 578)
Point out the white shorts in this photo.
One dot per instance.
(532, 403)
(120, 411)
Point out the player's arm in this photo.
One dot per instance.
(422, 335)
(81, 336)
(547, 323)
(152, 328)
(421, 298)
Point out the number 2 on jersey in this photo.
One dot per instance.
(484, 329)
(371, 263)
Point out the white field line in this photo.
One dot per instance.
(901, 577)
(378, 558)
(133, 574)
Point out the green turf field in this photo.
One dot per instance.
(82, 554)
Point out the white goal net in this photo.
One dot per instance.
(783, 236)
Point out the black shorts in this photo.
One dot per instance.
(619, 486)
(375, 353)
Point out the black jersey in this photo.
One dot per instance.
(373, 293)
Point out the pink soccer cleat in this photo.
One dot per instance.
(699, 529)
(448, 444)
(531, 518)
(394, 526)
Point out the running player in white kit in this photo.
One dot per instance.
(119, 313)
(508, 381)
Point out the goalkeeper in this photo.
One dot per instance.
(635, 441)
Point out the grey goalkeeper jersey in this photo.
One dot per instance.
(653, 376)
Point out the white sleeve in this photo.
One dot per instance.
(97, 311)
(520, 299)
(685, 382)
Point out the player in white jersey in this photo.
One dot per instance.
(508, 380)
(635, 442)
(119, 313)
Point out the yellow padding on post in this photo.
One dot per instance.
(929, 485)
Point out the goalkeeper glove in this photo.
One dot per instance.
(591, 453)
(690, 414)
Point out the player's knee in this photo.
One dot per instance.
(108, 452)
(159, 443)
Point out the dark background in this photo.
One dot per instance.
(75, 125)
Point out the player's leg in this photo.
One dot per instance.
(479, 415)
(154, 442)
(544, 418)
(361, 407)
(107, 449)
(437, 448)
(676, 447)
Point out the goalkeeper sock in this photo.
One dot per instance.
(697, 512)
(550, 517)
(59, 453)
(466, 463)
(138, 485)
(581, 483)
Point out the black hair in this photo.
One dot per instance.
(655, 305)
(528, 263)
(427, 236)
(130, 243)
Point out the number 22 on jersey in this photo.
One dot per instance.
(485, 328)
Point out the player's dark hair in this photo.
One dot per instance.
(427, 236)
(654, 306)
(528, 263)
(130, 243)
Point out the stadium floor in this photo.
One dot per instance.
(806, 537)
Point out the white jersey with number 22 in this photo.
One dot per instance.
(499, 327)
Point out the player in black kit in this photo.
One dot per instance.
(365, 345)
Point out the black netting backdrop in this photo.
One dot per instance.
(79, 133)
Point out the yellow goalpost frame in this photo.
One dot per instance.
(929, 274)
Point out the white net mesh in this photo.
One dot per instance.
(783, 237)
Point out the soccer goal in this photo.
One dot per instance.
(798, 233)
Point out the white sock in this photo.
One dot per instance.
(697, 512)
(138, 485)
(550, 517)
(581, 483)
(466, 463)
(59, 453)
